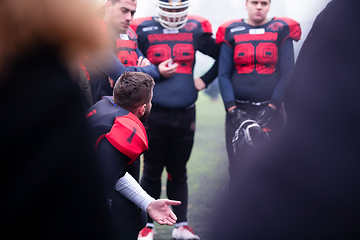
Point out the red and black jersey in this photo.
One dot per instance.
(159, 44)
(256, 50)
(126, 46)
(120, 127)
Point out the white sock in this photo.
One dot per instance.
(180, 224)
(150, 225)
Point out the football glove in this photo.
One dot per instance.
(265, 115)
(237, 116)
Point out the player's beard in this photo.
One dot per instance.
(144, 117)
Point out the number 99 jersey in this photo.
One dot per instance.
(256, 54)
(159, 44)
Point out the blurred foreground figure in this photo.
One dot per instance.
(49, 182)
(309, 188)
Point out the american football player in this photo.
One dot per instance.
(170, 41)
(122, 54)
(306, 184)
(117, 129)
(255, 64)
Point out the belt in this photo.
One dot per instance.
(252, 103)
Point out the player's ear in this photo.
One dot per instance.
(142, 109)
(139, 111)
(108, 5)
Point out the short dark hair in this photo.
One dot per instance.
(133, 89)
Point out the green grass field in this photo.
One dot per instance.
(207, 168)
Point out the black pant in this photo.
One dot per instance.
(276, 125)
(171, 137)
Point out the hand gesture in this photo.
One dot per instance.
(143, 62)
(161, 212)
(199, 84)
(167, 68)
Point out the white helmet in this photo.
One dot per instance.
(172, 13)
(251, 133)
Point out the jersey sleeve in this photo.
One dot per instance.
(294, 29)
(128, 135)
(113, 163)
(226, 67)
(286, 65)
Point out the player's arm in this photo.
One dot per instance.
(157, 209)
(226, 68)
(145, 66)
(286, 65)
(210, 48)
(150, 68)
(113, 163)
(107, 62)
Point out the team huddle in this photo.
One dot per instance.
(143, 95)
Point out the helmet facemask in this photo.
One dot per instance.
(172, 14)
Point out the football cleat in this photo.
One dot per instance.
(184, 233)
(173, 13)
(146, 234)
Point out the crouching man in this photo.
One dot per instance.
(116, 124)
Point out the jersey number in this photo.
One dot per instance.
(128, 59)
(183, 55)
(266, 58)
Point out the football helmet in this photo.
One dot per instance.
(251, 133)
(172, 13)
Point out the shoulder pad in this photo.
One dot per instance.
(138, 21)
(103, 106)
(128, 135)
(205, 24)
(294, 28)
(220, 34)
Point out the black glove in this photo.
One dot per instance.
(237, 116)
(265, 115)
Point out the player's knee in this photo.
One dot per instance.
(177, 177)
